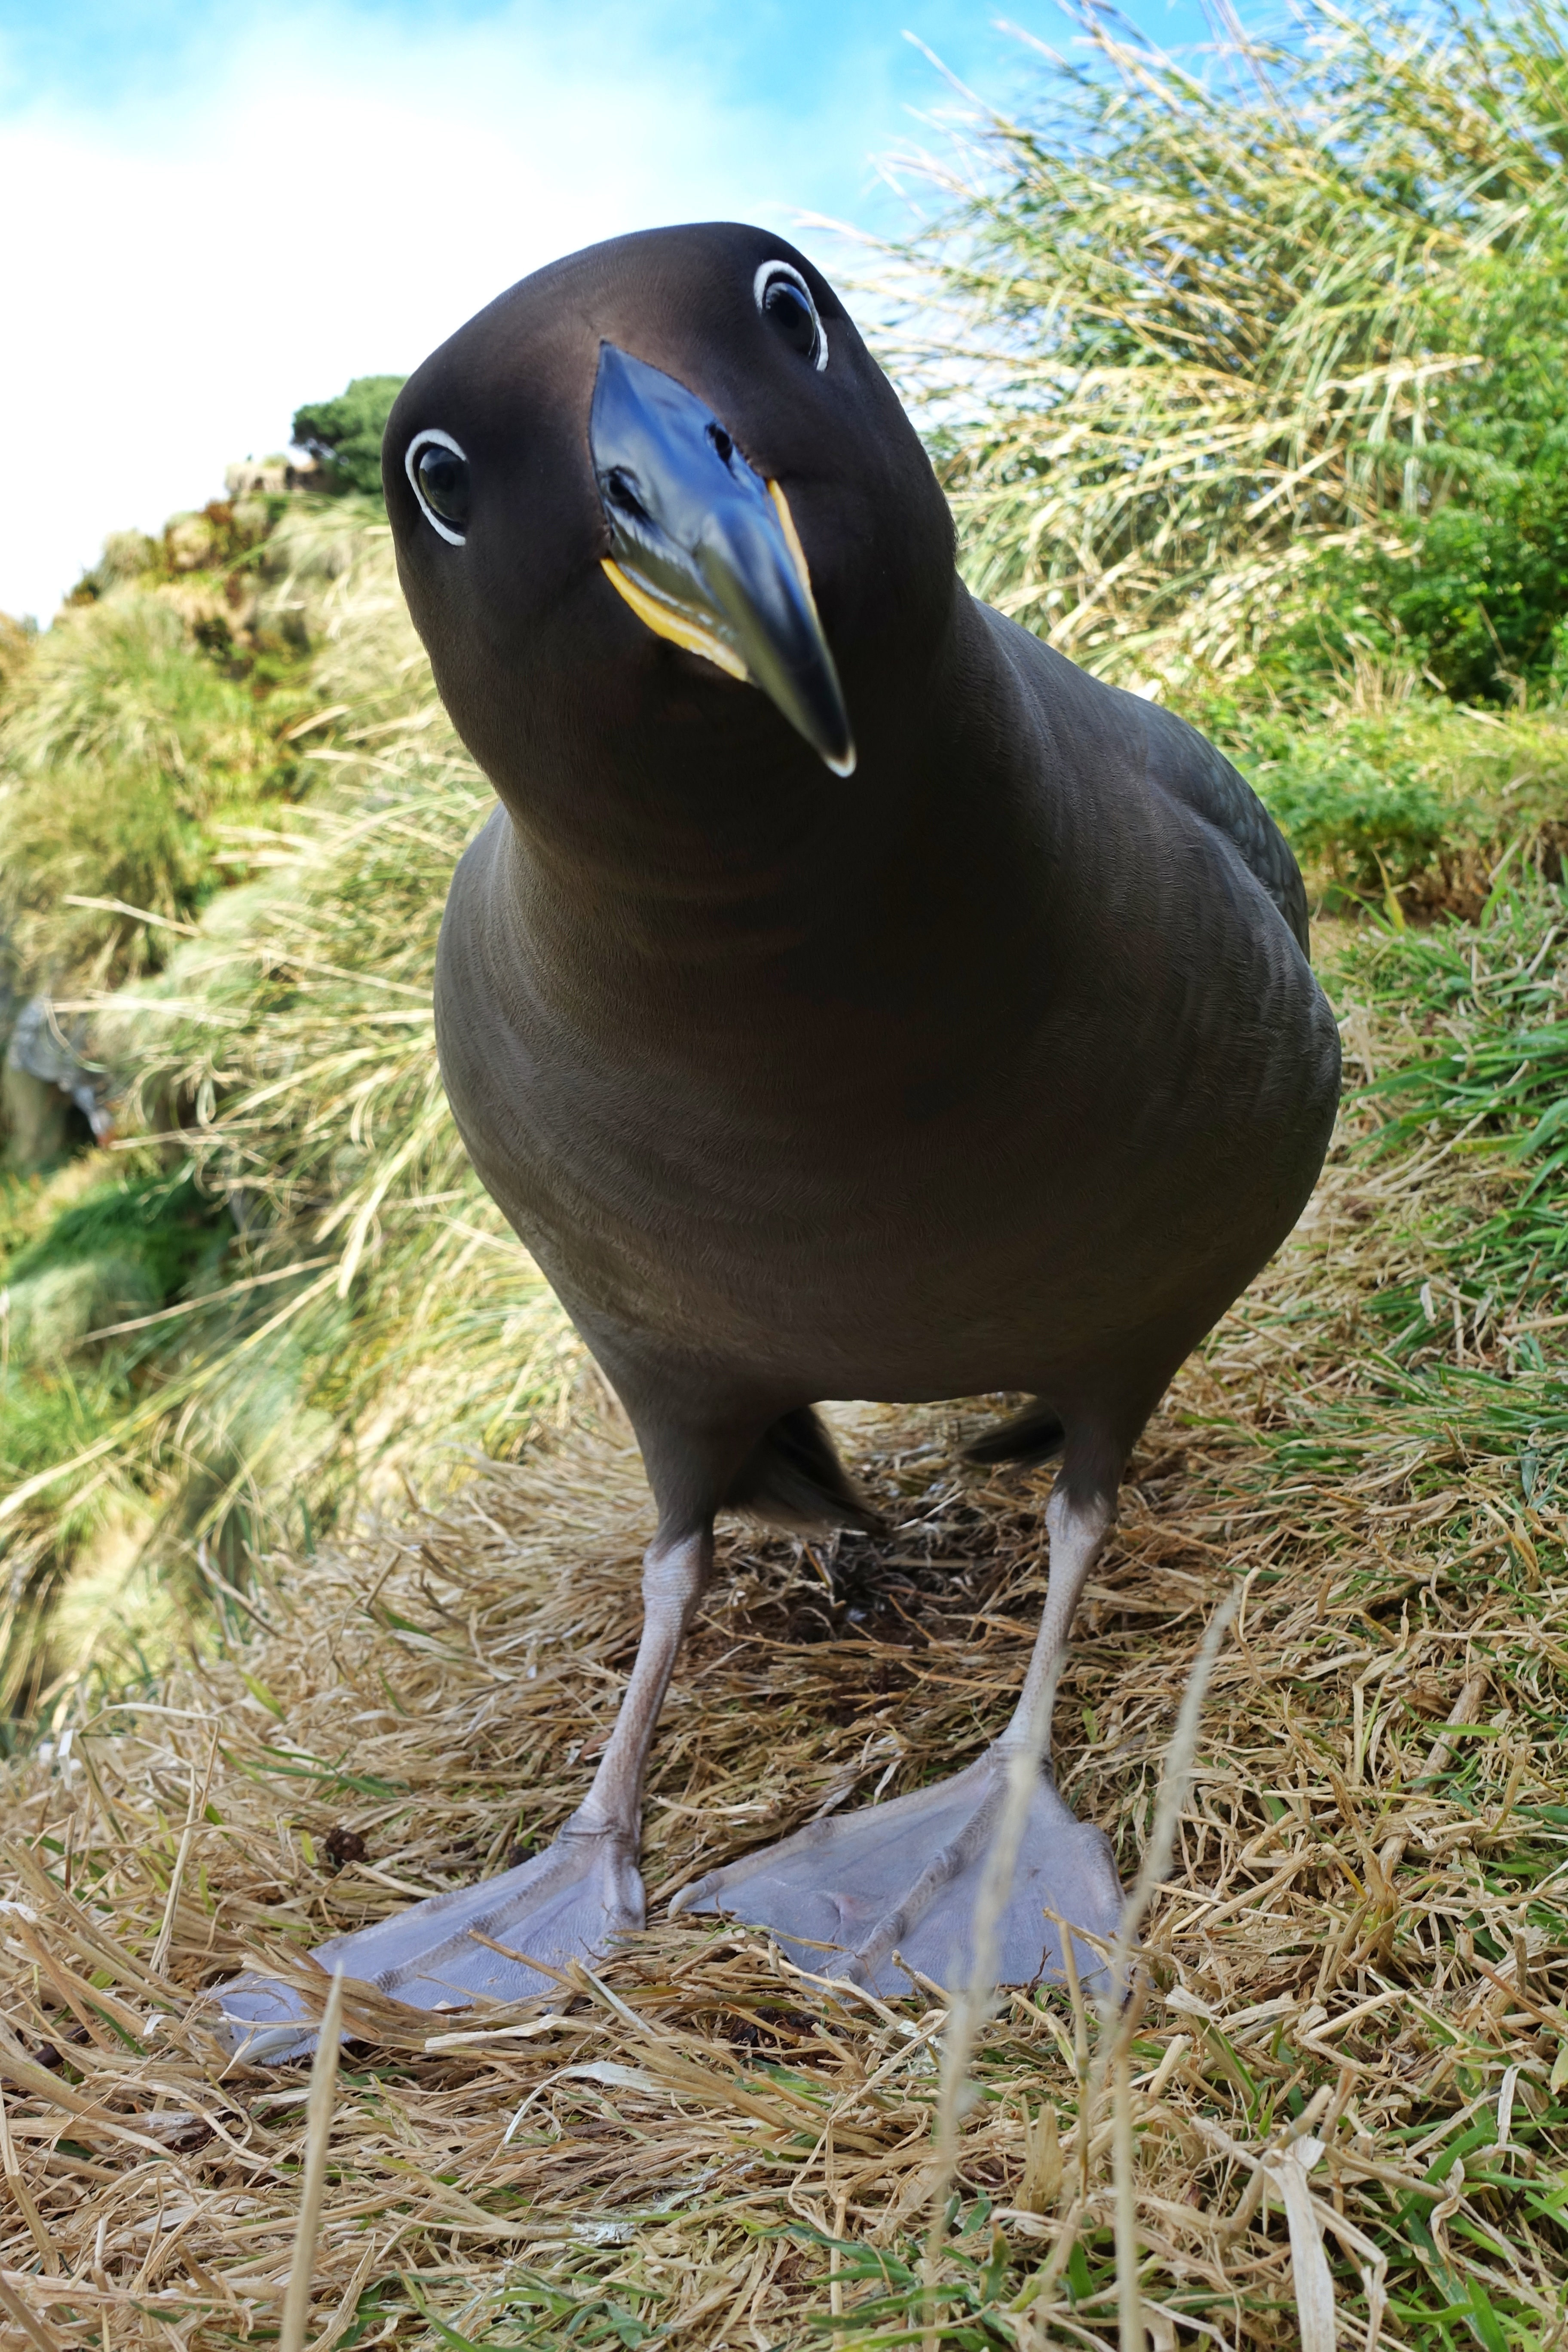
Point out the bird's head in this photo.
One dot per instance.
(659, 513)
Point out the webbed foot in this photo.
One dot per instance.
(567, 1903)
(902, 1878)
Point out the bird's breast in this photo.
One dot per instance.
(884, 1200)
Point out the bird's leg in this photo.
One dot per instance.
(564, 1904)
(902, 1878)
(674, 1578)
(1077, 1531)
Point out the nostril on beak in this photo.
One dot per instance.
(621, 488)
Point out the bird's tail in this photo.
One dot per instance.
(793, 1478)
(1032, 1436)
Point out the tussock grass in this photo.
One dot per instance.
(372, 1319)
(1187, 340)
(300, 1032)
(120, 742)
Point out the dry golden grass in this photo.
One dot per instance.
(1359, 1955)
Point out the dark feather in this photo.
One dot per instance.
(1188, 768)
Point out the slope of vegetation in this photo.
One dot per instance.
(306, 1290)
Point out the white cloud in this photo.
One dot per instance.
(329, 199)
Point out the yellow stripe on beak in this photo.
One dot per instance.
(792, 540)
(665, 621)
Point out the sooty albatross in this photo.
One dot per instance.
(848, 997)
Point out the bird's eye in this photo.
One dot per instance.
(783, 298)
(439, 472)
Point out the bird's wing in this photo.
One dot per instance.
(1188, 769)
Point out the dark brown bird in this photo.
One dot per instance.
(848, 997)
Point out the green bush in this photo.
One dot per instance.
(1369, 824)
(1483, 601)
(1470, 588)
(345, 433)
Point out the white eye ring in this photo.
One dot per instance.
(443, 441)
(767, 272)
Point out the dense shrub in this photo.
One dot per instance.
(1482, 599)
(1368, 826)
(345, 433)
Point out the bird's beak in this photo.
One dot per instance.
(704, 550)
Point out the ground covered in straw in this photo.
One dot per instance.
(1348, 2055)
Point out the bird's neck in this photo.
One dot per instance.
(770, 882)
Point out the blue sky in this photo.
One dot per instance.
(216, 212)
